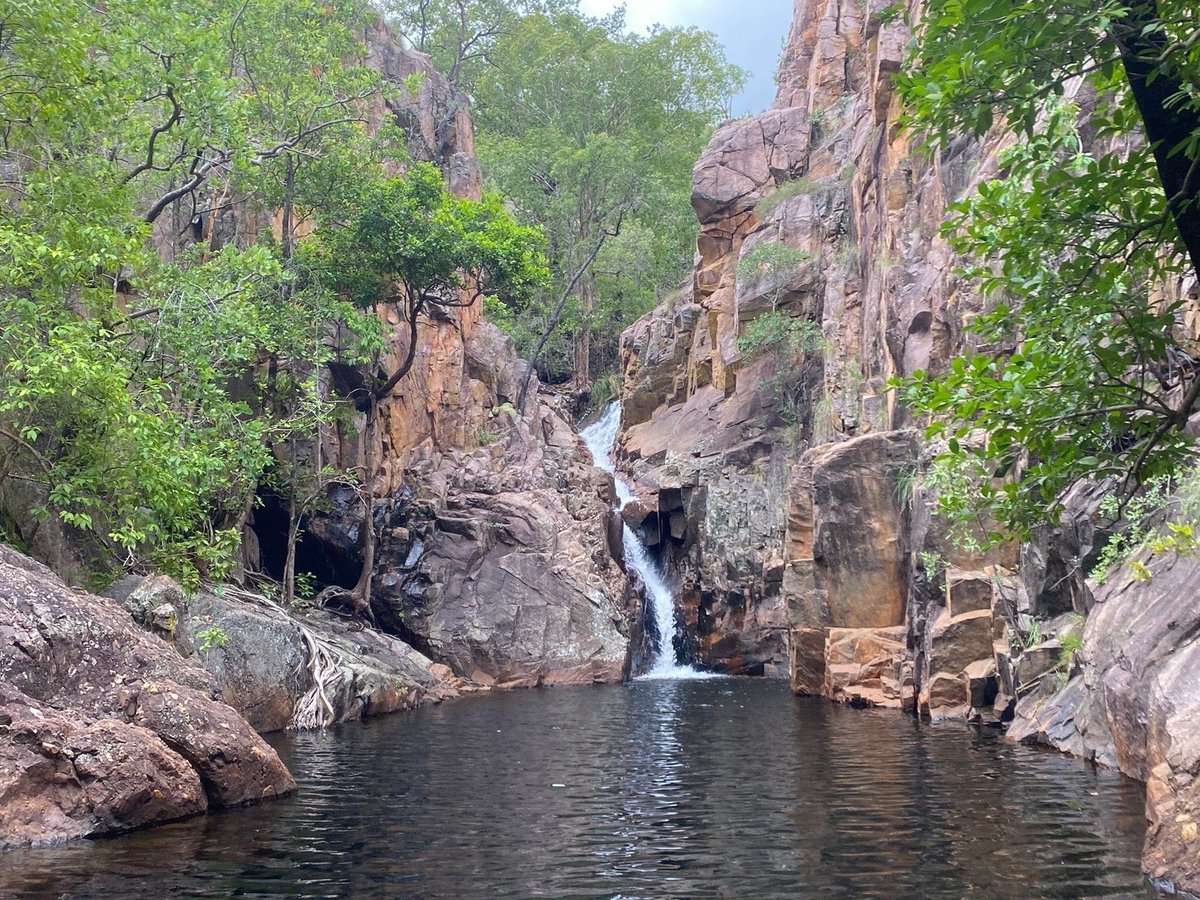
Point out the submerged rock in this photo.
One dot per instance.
(129, 730)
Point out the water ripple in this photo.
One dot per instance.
(718, 788)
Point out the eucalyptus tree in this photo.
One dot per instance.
(1079, 244)
(414, 247)
(589, 129)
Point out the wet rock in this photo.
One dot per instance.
(1135, 703)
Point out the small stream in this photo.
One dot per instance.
(660, 788)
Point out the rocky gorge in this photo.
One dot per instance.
(498, 565)
(790, 514)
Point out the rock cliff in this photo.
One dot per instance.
(494, 555)
(784, 489)
(1134, 702)
(714, 436)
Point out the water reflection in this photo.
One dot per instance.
(723, 788)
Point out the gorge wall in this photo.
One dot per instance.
(789, 504)
(498, 553)
(714, 439)
(494, 551)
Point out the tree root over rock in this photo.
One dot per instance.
(326, 665)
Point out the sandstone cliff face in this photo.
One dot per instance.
(1134, 703)
(715, 438)
(785, 492)
(828, 173)
(494, 554)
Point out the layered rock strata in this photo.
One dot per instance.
(784, 489)
(713, 435)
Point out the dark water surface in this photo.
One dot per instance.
(720, 788)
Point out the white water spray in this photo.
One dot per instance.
(601, 438)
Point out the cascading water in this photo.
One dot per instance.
(601, 438)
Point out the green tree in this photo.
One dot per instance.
(1076, 245)
(142, 396)
(416, 248)
(589, 130)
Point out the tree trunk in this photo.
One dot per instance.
(1154, 84)
(289, 562)
(288, 226)
(557, 314)
(362, 590)
(583, 335)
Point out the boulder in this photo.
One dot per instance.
(261, 667)
(807, 664)
(859, 528)
(968, 592)
(510, 590)
(863, 666)
(65, 776)
(160, 606)
(82, 657)
(959, 664)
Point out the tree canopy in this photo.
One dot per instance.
(590, 132)
(159, 342)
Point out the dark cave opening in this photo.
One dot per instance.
(330, 559)
(270, 524)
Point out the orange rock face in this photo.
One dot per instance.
(807, 544)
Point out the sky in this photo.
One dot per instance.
(752, 39)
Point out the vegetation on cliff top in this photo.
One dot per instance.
(1080, 244)
(160, 341)
(591, 132)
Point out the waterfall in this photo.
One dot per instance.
(601, 439)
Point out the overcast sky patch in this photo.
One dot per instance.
(752, 40)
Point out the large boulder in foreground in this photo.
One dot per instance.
(1136, 703)
(61, 777)
(104, 727)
